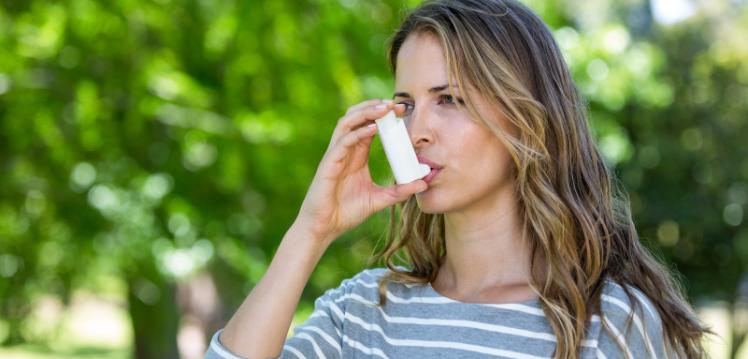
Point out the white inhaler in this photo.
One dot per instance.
(399, 150)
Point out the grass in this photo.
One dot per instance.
(38, 351)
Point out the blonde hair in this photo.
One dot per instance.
(573, 214)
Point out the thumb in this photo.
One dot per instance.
(399, 192)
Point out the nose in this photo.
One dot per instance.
(419, 128)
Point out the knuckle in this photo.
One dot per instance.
(354, 137)
(348, 118)
(362, 105)
(343, 120)
(350, 138)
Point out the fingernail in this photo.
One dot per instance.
(380, 106)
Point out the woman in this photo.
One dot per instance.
(516, 245)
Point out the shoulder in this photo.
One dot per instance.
(362, 286)
(369, 274)
(363, 279)
(630, 323)
(619, 301)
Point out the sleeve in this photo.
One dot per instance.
(630, 330)
(320, 336)
(217, 351)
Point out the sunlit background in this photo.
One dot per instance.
(153, 153)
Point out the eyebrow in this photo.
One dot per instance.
(431, 90)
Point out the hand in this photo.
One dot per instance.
(342, 193)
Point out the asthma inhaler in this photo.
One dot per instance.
(399, 150)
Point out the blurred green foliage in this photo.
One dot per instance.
(152, 141)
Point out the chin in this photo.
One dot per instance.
(429, 204)
(428, 211)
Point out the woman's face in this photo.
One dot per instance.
(476, 165)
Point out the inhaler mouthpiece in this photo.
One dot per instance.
(399, 150)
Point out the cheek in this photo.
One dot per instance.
(484, 161)
(471, 149)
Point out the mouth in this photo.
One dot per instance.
(430, 177)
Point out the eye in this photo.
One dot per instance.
(408, 108)
(449, 99)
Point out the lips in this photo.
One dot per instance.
(425, 160)
(435, 168)
(431, 175)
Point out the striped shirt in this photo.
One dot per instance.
(418, 322)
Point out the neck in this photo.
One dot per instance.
(485, 248)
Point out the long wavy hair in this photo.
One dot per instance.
(575, 215)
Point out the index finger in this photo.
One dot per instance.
(359, 118)
(365, 104)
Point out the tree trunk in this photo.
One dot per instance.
(154, 315)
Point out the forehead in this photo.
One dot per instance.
(420, 62)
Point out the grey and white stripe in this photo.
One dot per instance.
(418, 322)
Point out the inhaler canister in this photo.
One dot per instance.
(399, 150)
